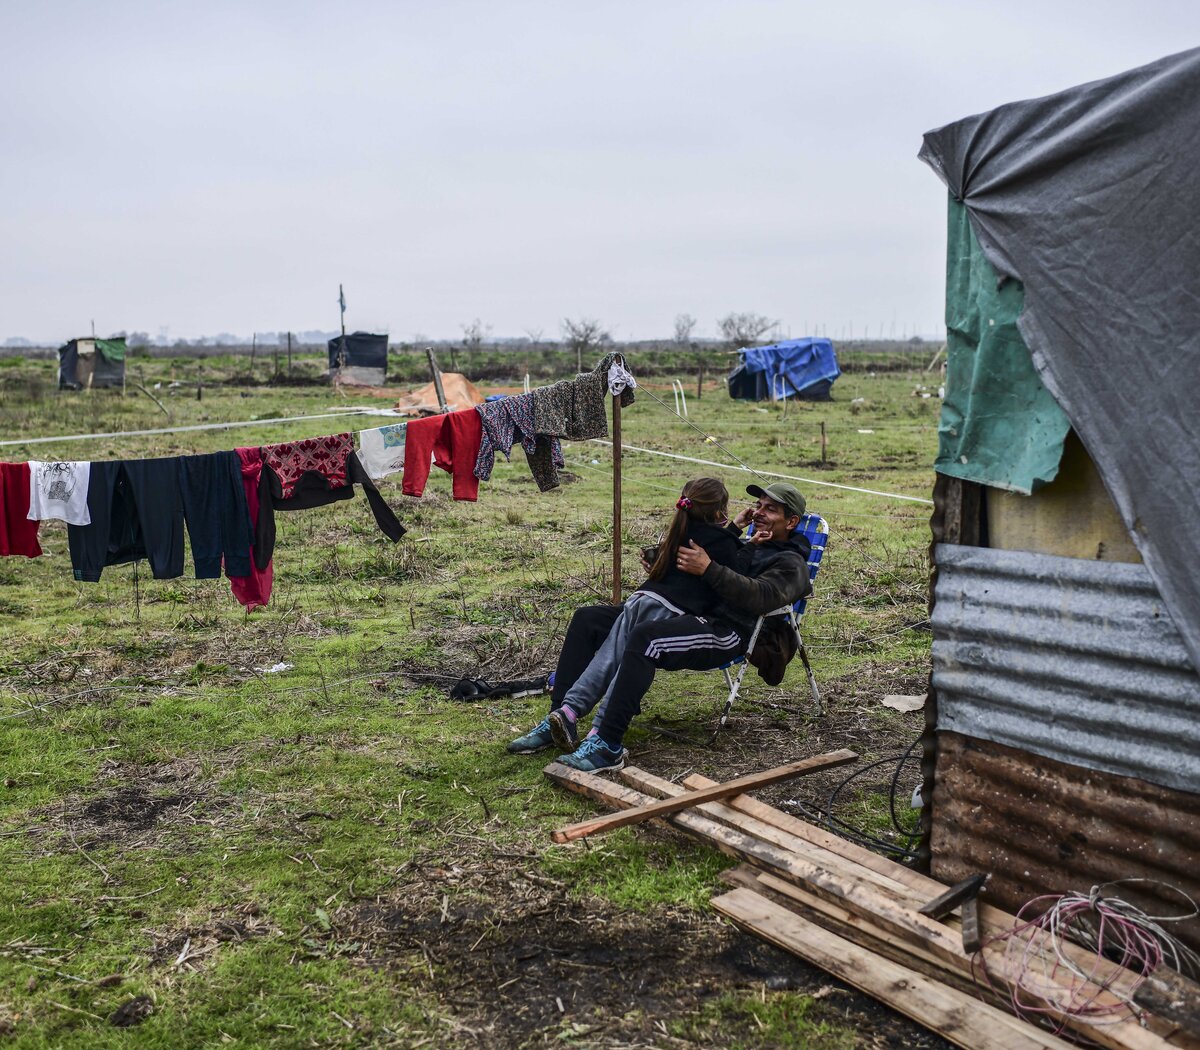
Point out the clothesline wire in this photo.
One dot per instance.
(629, 480)
(744, 466)
(358, 411)
(765, 474)
(707, 437)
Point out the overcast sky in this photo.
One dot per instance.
(223, 166)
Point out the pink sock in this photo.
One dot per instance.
(570, 714)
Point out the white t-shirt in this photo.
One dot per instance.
(382, 450)
(59, 490)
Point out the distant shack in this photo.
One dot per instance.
(88, 364)
(358, 358)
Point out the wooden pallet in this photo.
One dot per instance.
(857, 915)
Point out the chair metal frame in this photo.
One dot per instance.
(816, 530)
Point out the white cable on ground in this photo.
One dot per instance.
(358, 411)
(766, 473)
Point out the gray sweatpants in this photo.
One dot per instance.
(595, 684)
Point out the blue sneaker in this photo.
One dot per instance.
(562, 728)
(540, 737)
(595, 756)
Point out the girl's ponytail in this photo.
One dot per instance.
(704, 499)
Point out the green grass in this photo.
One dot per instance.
(155, 786)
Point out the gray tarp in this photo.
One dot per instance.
(1090, 197)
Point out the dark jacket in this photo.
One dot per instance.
(763, 577)
(692, 593)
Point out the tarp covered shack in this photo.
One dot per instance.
(1062, 748)
(803, 368)
(358, 358)
(87, 363)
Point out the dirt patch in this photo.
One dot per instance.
(132, 807)
(535, 968)
(193, 947)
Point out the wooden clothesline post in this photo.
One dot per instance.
(616, 446)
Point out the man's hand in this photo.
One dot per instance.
(692, 559)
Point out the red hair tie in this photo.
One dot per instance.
(684, 503)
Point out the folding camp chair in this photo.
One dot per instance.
(816, 530)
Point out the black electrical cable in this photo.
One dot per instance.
(825, 815)
(853, 834)
(912, 833)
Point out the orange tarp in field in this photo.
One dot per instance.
(459, 390)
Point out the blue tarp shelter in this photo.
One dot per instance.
(803, 368)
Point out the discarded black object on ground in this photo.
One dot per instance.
(477, 689)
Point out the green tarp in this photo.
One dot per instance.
(999, 424)
(112, 349)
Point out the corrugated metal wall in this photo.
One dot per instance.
(1041, 826)
(1073, 660)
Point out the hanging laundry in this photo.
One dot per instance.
(382, 450)
(451, 440)
(322, 456)
(553, 407)
(59, 491)
(303, 475)
(214, 510)
(18, 535)
(253, 588)
(575, 408)
(502, 423)
(137, 512)
(619, 377)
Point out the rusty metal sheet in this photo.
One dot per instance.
(1041, 826)
(1067, 658)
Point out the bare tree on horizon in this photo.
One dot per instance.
(684, 325)
(584, 334)
(744, 329)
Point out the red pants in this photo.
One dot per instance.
(252, 591)
(18, 535)
(452, 442)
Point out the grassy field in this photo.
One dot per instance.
(199, 850)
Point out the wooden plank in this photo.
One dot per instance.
(954, 1015)
(1173, 996)
(944, 903)
(972, 941)
(663, 807)
(885, 909)
(640, 780)
(923, 885)
(857, 929)
(992, 920)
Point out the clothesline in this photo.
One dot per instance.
(766, 473)
(356, 411)
(122, 510)
(581, 464)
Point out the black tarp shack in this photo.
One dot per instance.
(86, 364)
(358, 358)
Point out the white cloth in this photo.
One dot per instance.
(59, 490)
(619, 377)
(382, 450)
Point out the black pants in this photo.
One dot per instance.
(214, 506)
(691, 643)
(136, 513)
